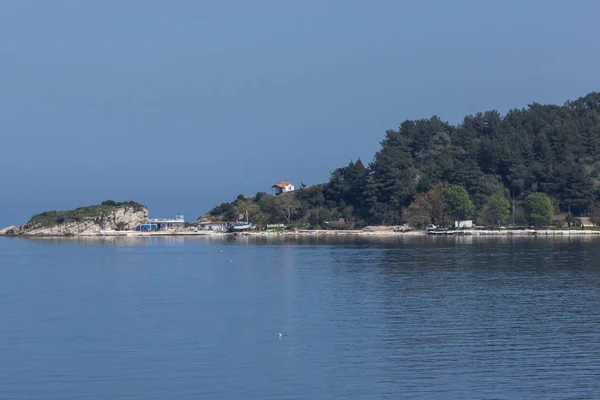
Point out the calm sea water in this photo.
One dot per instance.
(200, 319)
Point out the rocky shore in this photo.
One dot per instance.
(92, 232)
(85, 221)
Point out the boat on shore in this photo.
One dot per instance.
(241, 227)
(112, 232)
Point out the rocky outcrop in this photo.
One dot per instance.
(122, 217)
(9, 230)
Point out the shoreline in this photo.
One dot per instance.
(389, 233)
(328, 233)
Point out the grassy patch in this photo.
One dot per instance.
(574, 228)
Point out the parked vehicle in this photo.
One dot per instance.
(430, 227)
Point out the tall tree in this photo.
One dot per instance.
(496, 210)
(457, 202)
(393, 175)
(538, 209)
(348, 184)
(288, 206)
(428, 208)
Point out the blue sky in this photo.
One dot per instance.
(186, 104)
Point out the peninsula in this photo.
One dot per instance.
(532, 168)
(537, 166)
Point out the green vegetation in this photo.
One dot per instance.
(496, 211)
(457, 202)
(294, 208)
(538, 209)
(428, 208)
(429, 170)
(49, 219)
(566, 228)
(572, 220)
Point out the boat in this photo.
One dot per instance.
(112, 232)
(241, 227)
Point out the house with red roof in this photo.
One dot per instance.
(282, 187)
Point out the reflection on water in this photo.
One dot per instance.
(187, 318)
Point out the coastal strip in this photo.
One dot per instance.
(362, 233)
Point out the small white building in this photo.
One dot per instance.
(464, 224)
(282, 187)
(215, 226)
(167, 223)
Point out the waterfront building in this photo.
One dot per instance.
(167, 223)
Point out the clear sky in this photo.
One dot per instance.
(181, 105)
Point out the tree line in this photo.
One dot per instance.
(525, 166)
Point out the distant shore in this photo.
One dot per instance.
(465, 232)
(338, 233)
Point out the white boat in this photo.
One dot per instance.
(112, 232)
(240, 226)
(243, 226)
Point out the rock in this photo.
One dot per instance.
(9, 231)
(123, 217)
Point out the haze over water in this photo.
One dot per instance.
(191, 318)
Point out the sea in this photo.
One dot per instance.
(304, 318)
